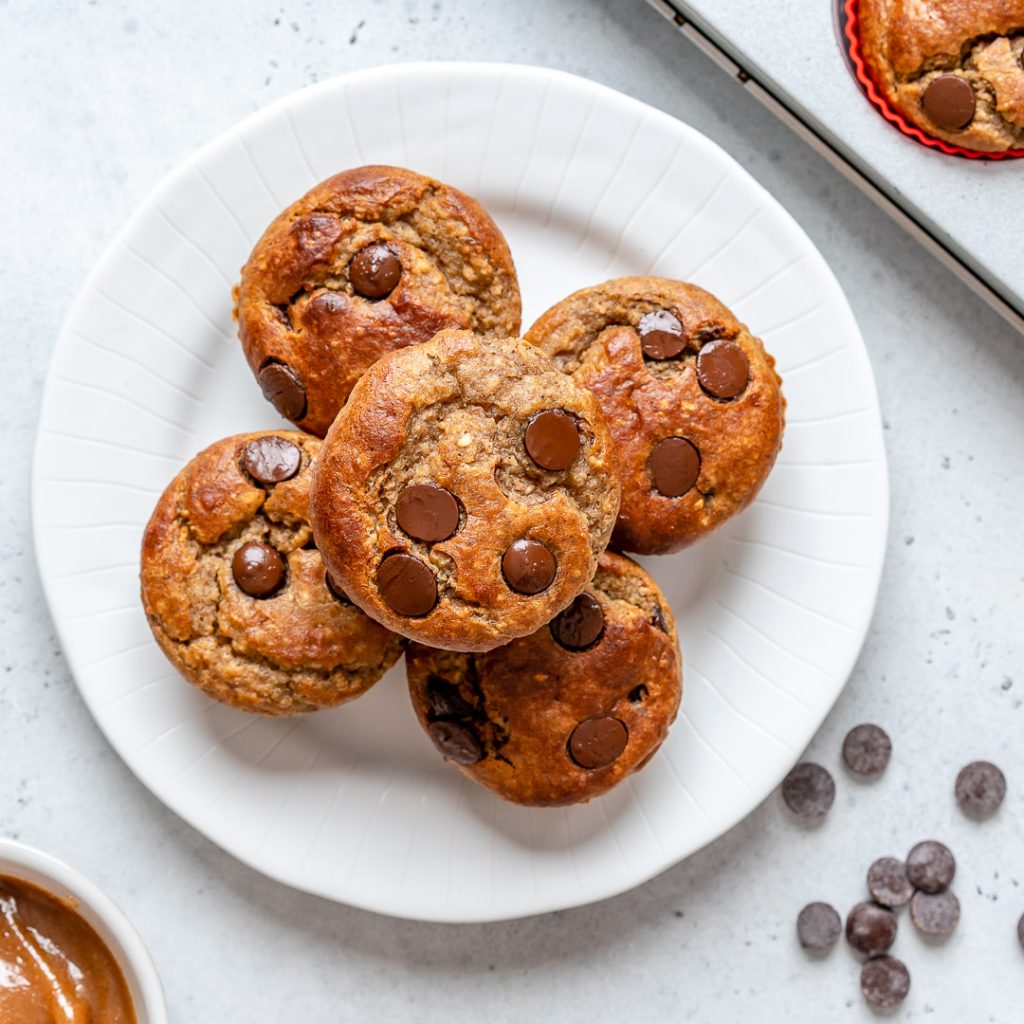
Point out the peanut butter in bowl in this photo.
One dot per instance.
(54, 967)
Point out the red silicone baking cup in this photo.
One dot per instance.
(851, 30)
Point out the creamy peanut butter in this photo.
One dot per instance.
(54, 968)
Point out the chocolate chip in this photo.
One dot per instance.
(809, 790)
(888, 882)
(885, 982)
(723, 369)
(427, 513)
(637, 695)
(374, 271)
(930, 866)
(597, 742)
(445, 701)
(949, 102)
(661, 335)
(675, 466)
(935, 913)
(335, 588)
(284, 390)
(580, 625)
(870, 929)
(406, 585)
(552, 439)
(258, 569)
(457, 741)
(866, 750)
(528, 566)
(818, 927)
(980, 788)
(269, 460)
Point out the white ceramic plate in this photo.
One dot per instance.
(353, 803)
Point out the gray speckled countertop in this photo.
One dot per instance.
(99, 100)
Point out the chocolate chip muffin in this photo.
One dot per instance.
(564, 714)
(464, 493)
(691, 397)
(953, 67)
(369, 261)
(235, 591)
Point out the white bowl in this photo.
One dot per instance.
(64, 882)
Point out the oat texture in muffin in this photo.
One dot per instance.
(566, 713)
(464, 493)
(369, 261)
(235, 590)
(953, 67)
(690, 395)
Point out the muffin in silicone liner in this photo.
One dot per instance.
(957, 85)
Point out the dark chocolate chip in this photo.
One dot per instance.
(661, 335)
(870, 929)
(675, 466)
(888, 882)
(258, 569)
(723, 369)
(552, 439)
(949, 102)
(935, 913)
(406, 585)
(284, 390)
(374, 271)
(335, 588)
(597, 742)
(658, 619)
(427, 513)
(528, 566)
(980, 788)
(637, 695)
(885, 982)
(580, 625)
(930, 866)
(866, 750)
(809, 790)
(445, 701)
(818, 927)
(458, 741)
(270, 460)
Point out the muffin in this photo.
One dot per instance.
(463, 495)
(369, 261)
(954, 68)
(690, 395)
(235, 591)
(562, 715)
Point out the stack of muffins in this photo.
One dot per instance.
(453, 489)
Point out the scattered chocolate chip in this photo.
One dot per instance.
(406, 585)
(374, 271)
(809, 790)
(949, 102)
(935, 913)
(723, 369)
(552, 439)
(675, 466)
(930, 866)
(980, 788)
(885, 982)
(866, 750)
(445, 701)
(658, 619)
(818, 927)
(637, 695)
(661, 334)
(336, 590)
(580, 625)
(258, 569)
(269, 460)
(284, 390)
(427, 513)
(457, 741)
(870, 929)
(888, 882)
(597, 742)
(528, 566)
